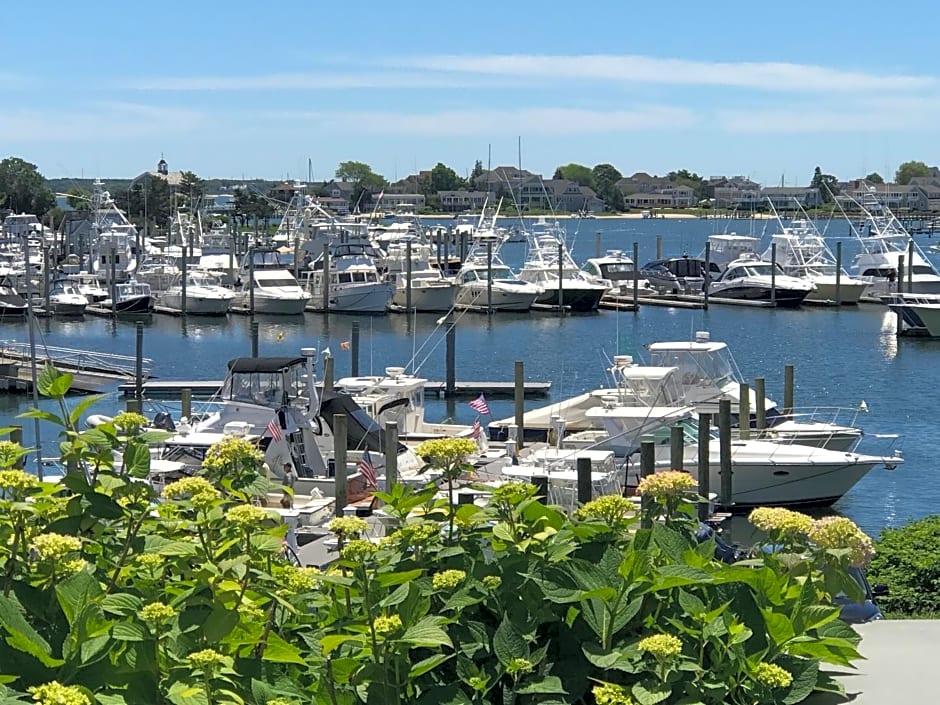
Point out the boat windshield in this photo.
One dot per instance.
(616, 271)
(275, 280)
(699, 368)
(498, 273)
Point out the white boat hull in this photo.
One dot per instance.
(426, 298)
(196, 304)
(273, 305)
(508, 298)
(368, 298)
(850, 290)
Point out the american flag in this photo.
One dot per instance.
(479, 405)
(475, 433)
(367, 469)
(274, 429)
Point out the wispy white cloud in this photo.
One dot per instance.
(899, 114)
(635, 69)
(110, 120)
(528, 121)
(310, 81)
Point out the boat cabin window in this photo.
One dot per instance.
(358, 276)
(697, 368)
(265, 388)
(501, 273)
(470, 276)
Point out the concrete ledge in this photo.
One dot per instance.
(900, 658)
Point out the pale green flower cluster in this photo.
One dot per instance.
(130, 422)
(246, 516)
(661, 645)
(74, 565)
(781, 521)
(232, 452)
(477, 682)
(54, 693)
(841, 532)
(14, 480)
(157, 613)
(445, 452)
(251, 614)
(280, 701)
(359, 551)
(448, 579)
(492, 582)
(297, 580)
(609, 509)
(387, 625)
(206, 659)
(197, 490)
(347, 527)
(518, 666)
(416, 532)
(52, 547)
(666, 485)
(149, 560)
(610, 694)
(773, 676)
(513, 493)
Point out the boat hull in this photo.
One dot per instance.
(577, 299)
(785, 298)
(503, 299)
(849, 292)
(430, 299)
(370, 298)
(68, 308)
(273, 306)
(196, 305)
(136, 304)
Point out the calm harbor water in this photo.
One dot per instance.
(842, 357)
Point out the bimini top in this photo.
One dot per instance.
(270, 365)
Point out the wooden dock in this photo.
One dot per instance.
(203, 389)
(17, 378)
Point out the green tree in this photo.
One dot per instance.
(359, 173)
(23, 189)
(875, 178)
(192, 188)
(684, 177)
(907, 171)
(606, 177)
(580, 174)
(477, 170)
(443, 178)
(827, 184)
(78, 199)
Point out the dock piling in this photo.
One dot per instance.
(541, 487)
(659, 250)
(186, 403)
(704, 464)
(253, 327)
(519, 398)
(636, 277)
(183, 282)
(744, 412)
(677, 447)
(354, 350)
(724, 441)
(16, 436)
(450, 381)
(585, 490)
(251, 284)
(760, 404)
(139, 362)
(328, 361)
(489, 278)
(325, 278)
(839, 273)
(773, 274)
(910, 266)
(647, 468)
(597, 244)
(561, 278)
(788, 389)
(408, 276)
(340, 433)
(707, 274)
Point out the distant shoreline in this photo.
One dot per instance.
(613, 216)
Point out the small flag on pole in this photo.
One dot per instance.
(367, 469)
(479, 405)
(345, 345)
(475, 433)
(274, 429)
(381, 194)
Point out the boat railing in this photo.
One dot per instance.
(76, 360)
(837, 415)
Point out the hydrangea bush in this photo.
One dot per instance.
(113, 597)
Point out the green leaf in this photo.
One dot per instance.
(130, 631)
(779, 626)
(82, 406)
(678, 575)
(77, 592)
(137, 459)
(650, 696)
(153, 437)
(427, 634)
(187, 694)
(168, 547)
(390, 579)
(331, 642)
(508, 644)
(219, 624)
(103, 507)
(22, 637)
(804, 672)
(279, 651)
(428, 664)
(690, 604)
(549, 684)
(52, 383)
(42, 416)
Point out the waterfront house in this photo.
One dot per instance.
(504, 179)
(786, 198)
(459, 201)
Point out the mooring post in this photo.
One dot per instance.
(910, 266)
(585, 489)
(139, 361)
(788, 389)
(354, 350)
(253, 327)
(839, 273)
(450, 381)
(760, 404)
(519, 398)
(463, 249)
(186, 403)
(183, 282)
(773, 274)
(597, 244)
(677, 447)
(636, 278)
(328, 362)
(325, 278)
(46, 279)
(561, 277)
(744, 411)
(707, 274)
(724, 448)
(659, 250)
(132, 406)
(541, 488)
(647, 468)
(251, 283)
(446, 252)
(391, 455)
(113, 286)
(704, 464)
(340, 434)
(489, 278)
(408, 277)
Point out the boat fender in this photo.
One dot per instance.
(96, 420)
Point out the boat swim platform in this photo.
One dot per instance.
(203, 389)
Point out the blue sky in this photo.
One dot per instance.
(256, 89)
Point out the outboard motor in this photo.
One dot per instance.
(164, 421)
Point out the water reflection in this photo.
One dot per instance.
(888, 335)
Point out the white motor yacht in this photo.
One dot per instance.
(753, 279)
(350, 281)
(89, 286)
(431, 291)
(485, 283)
(130, 297)
(617, 272)
(548, 264)
(920, 313)
(272, 291)
(204, 295)
(65, 299)
(12, 305)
